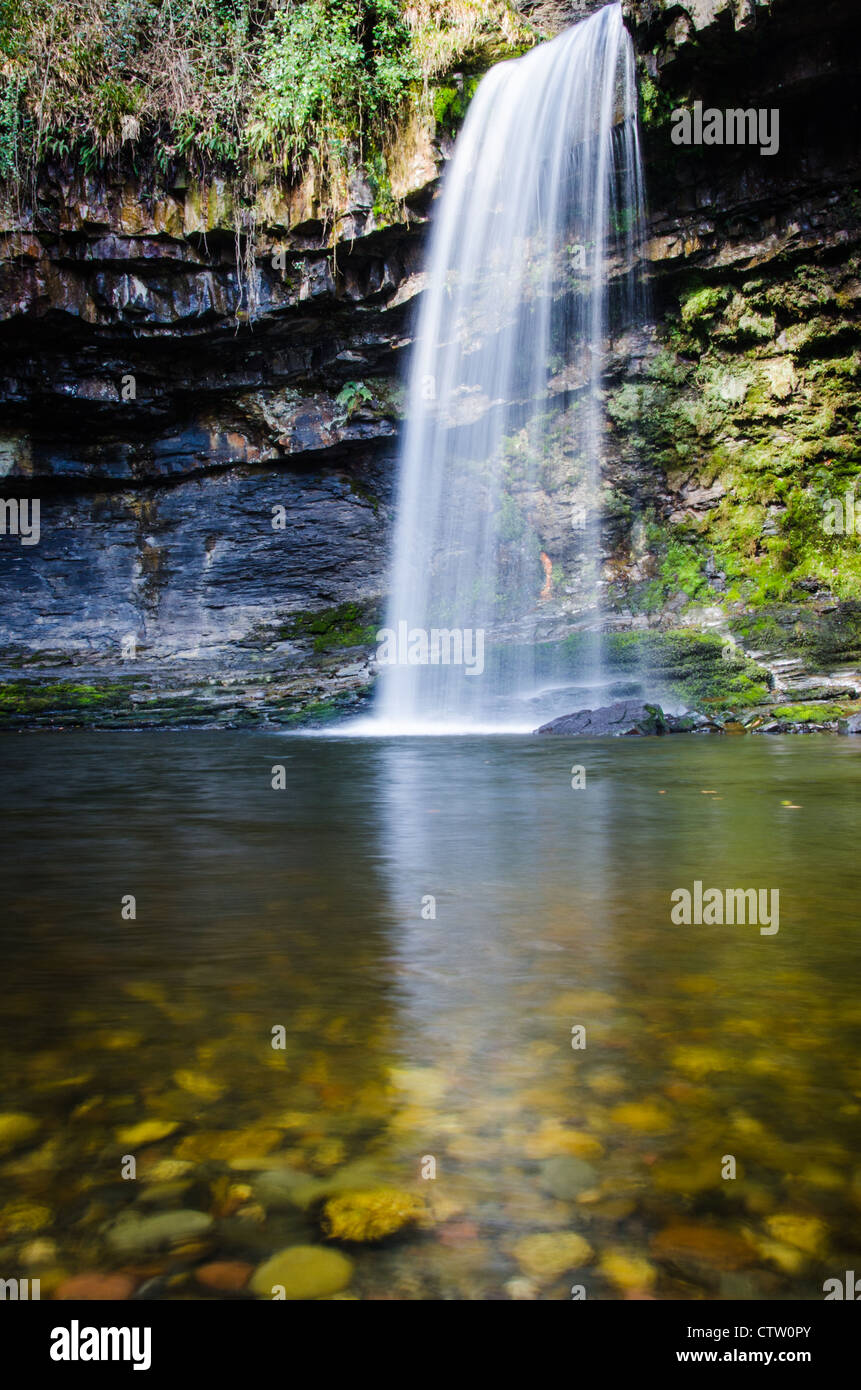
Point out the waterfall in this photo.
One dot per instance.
(534, 247)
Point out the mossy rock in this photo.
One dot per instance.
(348, 625)
(821, 640)
(450, 103)
(69, 701)
(372, 1215)
(702, 304)
(813, 713)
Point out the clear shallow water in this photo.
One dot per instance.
(450, 1038)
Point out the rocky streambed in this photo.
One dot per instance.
(275, 1080)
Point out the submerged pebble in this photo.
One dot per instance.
(132, 1234)
(224, 1276)
(567, 1178)
(626, 1270)
(286, 1187)
(38, 1252)
(806, 1233)
(94, 1286)
(198, 1084)
(548, 1254)
(371, 1216)
(555, 1139)
(644, 1116)
(303, 1271)
(225, 1144)
(708, 1245)
(22, 1217)
(16, 1129)
(147, 1132)
(522, 1289)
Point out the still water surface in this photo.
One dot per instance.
(445, 1037)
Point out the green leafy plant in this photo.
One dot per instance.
(186, 86)
(328, 69)
(352, 396)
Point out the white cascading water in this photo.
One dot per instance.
(541, 207)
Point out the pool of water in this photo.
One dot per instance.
(499, 1069)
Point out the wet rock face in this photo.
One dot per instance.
(210, 440)
(743, 410)
(787, 56)
(200, 569)
(713, 36)
(137, 356)
(550, 17)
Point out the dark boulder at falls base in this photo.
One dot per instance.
(622, 717)
(629, 717)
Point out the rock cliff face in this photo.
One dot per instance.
(205, 396)
(747, 404)
(208, 421)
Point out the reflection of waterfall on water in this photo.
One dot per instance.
(487, 929)
(541, 214)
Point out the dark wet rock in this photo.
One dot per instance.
(193, 570)
(624, 717)
(247, 1240)
(631, 717)
(693, 723)
(795, 726)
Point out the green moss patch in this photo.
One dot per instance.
(450, 103)
(348, 625)
(316, 714)
(69, 702)
(753, 396)
(814, 713)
